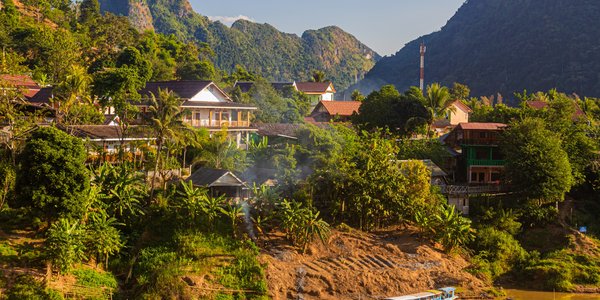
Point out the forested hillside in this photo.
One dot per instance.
(505, 46)
(258, 47)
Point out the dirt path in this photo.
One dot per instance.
(358, 265)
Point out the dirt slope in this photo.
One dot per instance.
(357, 265)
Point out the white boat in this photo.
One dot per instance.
(447, 293)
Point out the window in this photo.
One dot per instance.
(482, 135)
(481, 177)
(473, 176)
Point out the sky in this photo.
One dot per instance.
(384, 25)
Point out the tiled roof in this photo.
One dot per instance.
(462, 106)
(217, 104)
(341, 108)
(314, 87)
(30, 87)
(42, 97)
(107, 132)
(542, 104)
(482, 126)
(23, 81)
(207, 177)
(244, 86)
(184, 88)
(277, 129)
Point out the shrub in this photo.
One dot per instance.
(65, 244)
(27, 288)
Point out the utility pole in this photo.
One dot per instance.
(422, 81)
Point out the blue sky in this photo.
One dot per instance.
(384, 25)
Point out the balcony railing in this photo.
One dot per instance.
(480, 141)
(485, 162)
(219, 124)
(473, 190)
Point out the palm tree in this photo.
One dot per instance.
(438, 102)
(166, 119)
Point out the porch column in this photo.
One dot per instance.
(239, 118)
(210, 118)
(220, 118)
(248, 118)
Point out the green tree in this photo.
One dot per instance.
(65, 244)
(52, 176)
(318, 76)
(102, 237)
(357, 96)
(89, 10)
(387, 108)
(451, 229)
(438, 102)
(166, 119)
(536, 166)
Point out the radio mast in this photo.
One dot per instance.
(422, 81)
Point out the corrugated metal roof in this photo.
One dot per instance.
(482, 126)
(314, 87)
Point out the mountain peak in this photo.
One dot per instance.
(497, 46)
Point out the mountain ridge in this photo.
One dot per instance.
(260, 48)
(504, 47)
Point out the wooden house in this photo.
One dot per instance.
(317, 91)
(209, 107)
(220, 183)
(481, 160)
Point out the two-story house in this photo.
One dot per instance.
(209, 107)
(481, 161)
(317, 91)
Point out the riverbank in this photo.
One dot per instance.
(357, 264)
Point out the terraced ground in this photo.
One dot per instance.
(357, 265)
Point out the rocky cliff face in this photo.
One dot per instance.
(505, 46)
(260, 48)
(137, 11)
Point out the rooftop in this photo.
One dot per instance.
(341, 108)
(462, 106)
(183, 88)
(482, 126)
(108, 132)
(314, 87)
(211, 177)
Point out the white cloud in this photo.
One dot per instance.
(229, 20)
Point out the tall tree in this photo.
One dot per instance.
(89, 10)
(52, 176)
(166, 119)
(536, 165)
(438, 101)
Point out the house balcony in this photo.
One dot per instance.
(479, 141)
(218, 124)
(485, 162)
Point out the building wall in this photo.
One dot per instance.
(209, 94)
(484, 174)
(458, 116)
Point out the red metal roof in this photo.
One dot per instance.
(23, 81)
(314, 87)
(462, 106)
(482, 126)
(30, 87)
(341, 108)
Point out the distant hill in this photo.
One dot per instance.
(259, 48)
(505, 46)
